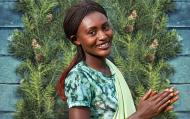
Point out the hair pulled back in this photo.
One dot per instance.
(72, 20)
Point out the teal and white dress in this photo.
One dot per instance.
(85, 86)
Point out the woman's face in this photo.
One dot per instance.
(95, 35)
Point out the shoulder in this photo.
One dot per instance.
(78, 76)
(76, 73)
(77, 88)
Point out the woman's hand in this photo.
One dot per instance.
(172, 100)
(152, 103)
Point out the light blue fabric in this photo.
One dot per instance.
(88, 87)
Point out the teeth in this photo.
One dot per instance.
(105, 45)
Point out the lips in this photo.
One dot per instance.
(104, 46)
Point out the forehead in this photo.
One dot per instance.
(93, 19)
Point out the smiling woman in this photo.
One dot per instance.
(94, 35)
(92, 85)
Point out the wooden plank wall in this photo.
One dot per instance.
(9, 82)
(180, 20)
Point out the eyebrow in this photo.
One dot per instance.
(93, 27)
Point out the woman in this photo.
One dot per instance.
(93, 86)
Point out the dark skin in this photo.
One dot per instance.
(95, 36)
(153, 104)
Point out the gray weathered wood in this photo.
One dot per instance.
(6, 115)
(182, 69)
(9, 19)
(9, 16)
(5, 37)
(183, 104)
(183, 115)
(180, 17)
(183, 36)
(180, 0)
(8, 0)
(8, 66)
(8, 98)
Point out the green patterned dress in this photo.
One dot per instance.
(85, 86)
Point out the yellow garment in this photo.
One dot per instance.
(126, 105)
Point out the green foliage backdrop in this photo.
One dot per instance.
(142, 46)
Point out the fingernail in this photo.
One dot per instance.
(177, 92)
(171, 90)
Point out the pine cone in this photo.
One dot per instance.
(154, 44)
(129, 29)
(133, 15)
(39, 57)
(35, 44)
(150, 58)
(49, 18)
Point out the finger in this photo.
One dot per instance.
(167, 89)
(176, 93)
(160, 96)
(169, 108)
(174, 99)
(147, 95)
(164, 98)
(153, 93)
(162, 107)
(155, 96)
(171, 89)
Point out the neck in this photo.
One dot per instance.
(98, 63)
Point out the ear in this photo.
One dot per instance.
(75, 40)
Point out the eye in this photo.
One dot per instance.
(92, 32)
(106, 27)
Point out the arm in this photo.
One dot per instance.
(77, 90)
(79, 113)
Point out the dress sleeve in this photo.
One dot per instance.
(77, 90)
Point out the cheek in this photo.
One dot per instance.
(110, 34)
(88, 42)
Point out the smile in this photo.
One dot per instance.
(104, 45)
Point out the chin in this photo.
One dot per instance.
(104, 54)
(100, 53)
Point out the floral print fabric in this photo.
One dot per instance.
(85, 86)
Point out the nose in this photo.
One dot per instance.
(102, 35)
